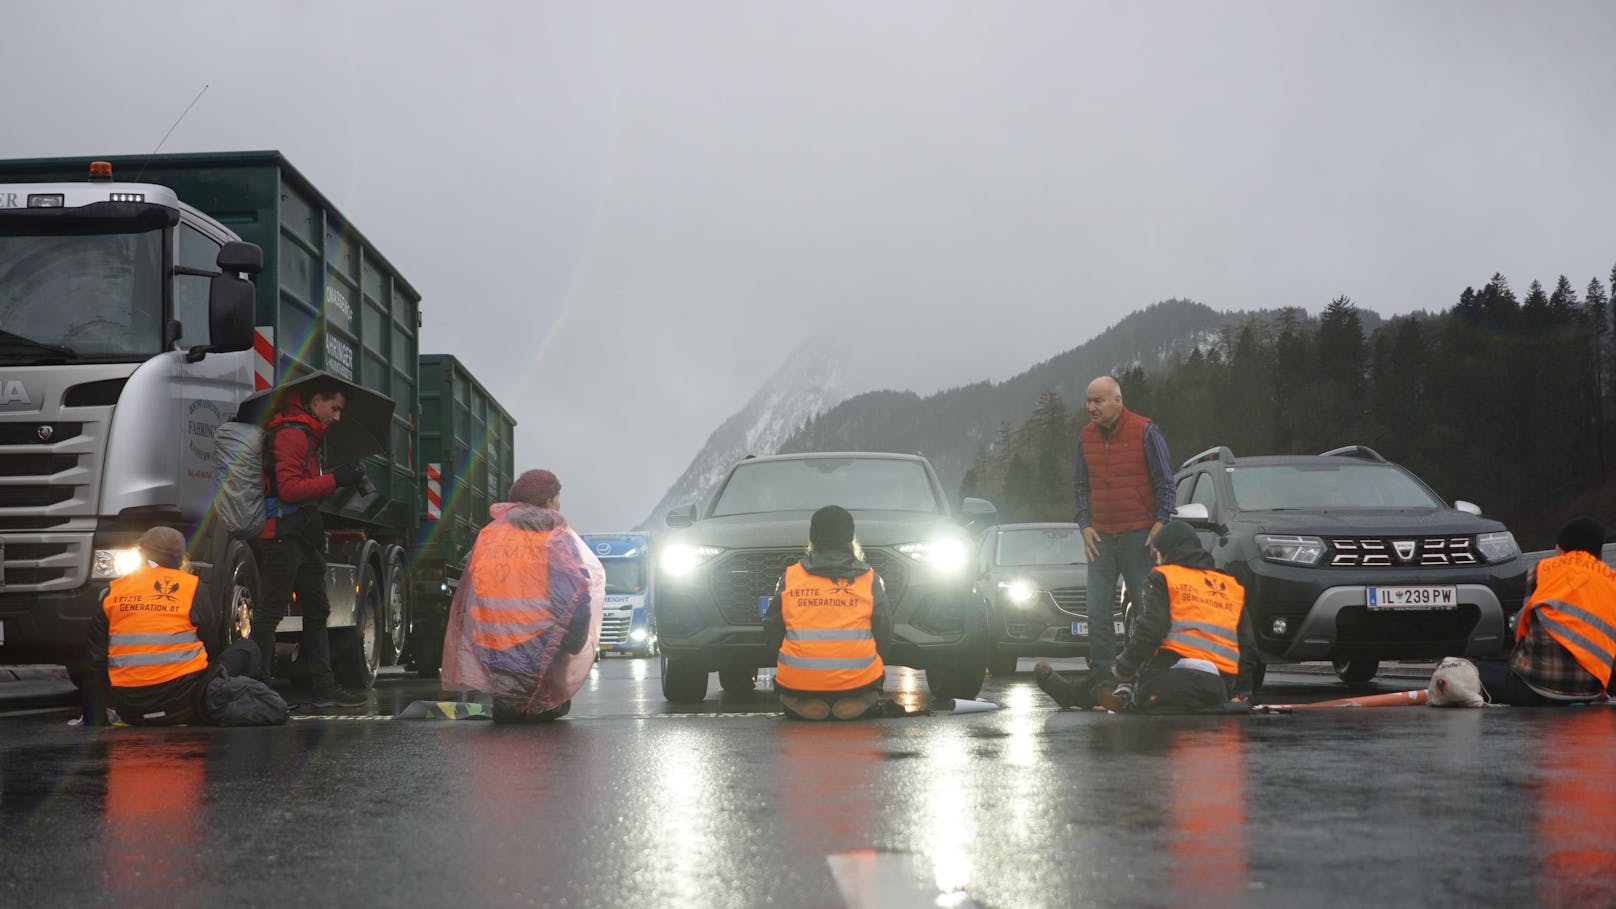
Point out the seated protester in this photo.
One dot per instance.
(828, 622)
(149, 652)
(1183, 653)
(1565, 637)
(525, 620)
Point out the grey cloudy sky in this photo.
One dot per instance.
(621, 216)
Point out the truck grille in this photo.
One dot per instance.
(36, 465)
(740, 580)
(46, 562)
(1389, 552)
(614, 628)
(35, 433)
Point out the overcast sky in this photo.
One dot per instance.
(621, 216)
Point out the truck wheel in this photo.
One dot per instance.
(240, 596)
(356, 653)
(959, 678)
(683, 681)
(1356, 672)
(1002, 665)
(396, 615)
(735, 679)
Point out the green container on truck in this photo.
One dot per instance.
(466, 459)
(127, 335)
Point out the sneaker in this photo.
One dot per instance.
(1050, 681)
(339, 697)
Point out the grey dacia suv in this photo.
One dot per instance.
(717, 571)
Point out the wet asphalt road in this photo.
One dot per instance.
(628, 803)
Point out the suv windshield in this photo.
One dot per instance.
(624, 575)
(1327, 485)
(811, 483)
(1050, 546)
(63, 296)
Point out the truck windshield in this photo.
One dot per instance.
(811, 483)
(74, 295)
(624, 575)
(1051, 546)
(1276, 487)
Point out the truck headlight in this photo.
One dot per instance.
(1018, 592)
(947, 555)
(681, 560)
(1498, 547)
(1291, 549)
(637, 634)
(115, 563)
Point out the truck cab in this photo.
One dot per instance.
(628, 626)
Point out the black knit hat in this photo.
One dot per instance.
(831, 528)
(1176, 540)
(1581, 534)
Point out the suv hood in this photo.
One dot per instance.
(1046, 577)
(1371, 522)
(788, 529)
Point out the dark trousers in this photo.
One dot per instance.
(291, 565)
(1504, 687)
(186, 703)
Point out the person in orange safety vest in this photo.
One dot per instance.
(1183, 653)
(828, 622)
(1565, 637)
(149, 646)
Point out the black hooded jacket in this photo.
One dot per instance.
(1150, 627)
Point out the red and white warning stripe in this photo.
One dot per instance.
(263, 357)
(434, 492)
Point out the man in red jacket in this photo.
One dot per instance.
(1122, 486)
(292, 545)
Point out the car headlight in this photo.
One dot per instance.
(1018, 592)
(682, 559)
(947, 555)
(115, 563)
(1498, 547)
(1291, 549)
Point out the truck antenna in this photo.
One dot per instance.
(170, 131)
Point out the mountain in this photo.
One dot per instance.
(950, 426)
(813, 379)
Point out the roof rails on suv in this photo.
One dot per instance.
(1221, 453)
(1363, 452)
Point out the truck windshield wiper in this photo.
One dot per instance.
(55, 350)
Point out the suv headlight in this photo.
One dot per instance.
(946, 555)
(1018, 592)
(1290, 549)
(681, 560)
(115, 563)
(1498, 547)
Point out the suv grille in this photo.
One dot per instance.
(1072, 600)
(1389, 552)
(741, 579)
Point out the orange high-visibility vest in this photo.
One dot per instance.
(1206, 607)
(1575, 600)
(509, 573)
(828, 645)
(150, 638)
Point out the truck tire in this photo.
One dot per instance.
(1002, 665)
(396, 611)
(1355, 672)
(736, 679)
(684, 681)
(356, 653)
(240, 593)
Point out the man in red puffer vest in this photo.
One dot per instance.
(1122, 485)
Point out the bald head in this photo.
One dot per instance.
(1104, 401)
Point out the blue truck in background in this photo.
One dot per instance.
(627, 626)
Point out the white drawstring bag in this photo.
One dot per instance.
(1455, 683)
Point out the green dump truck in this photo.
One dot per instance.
(128, 335)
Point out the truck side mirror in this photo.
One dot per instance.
(238, 257)
(230, 315)
(683, 516)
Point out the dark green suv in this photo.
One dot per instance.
(717, 571)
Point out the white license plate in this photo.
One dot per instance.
(1412, 597)
(1081, 629)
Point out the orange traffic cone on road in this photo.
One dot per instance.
(1416, 698)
